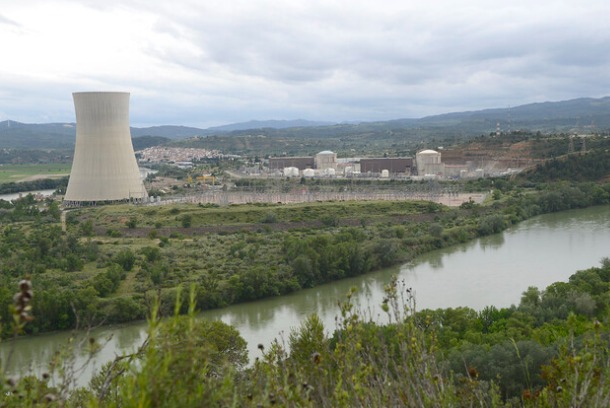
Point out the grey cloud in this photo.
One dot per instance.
(231, 61)
(7, 21)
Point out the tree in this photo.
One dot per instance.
(186, 220)
(307, 340)
(206, 345)
(132, 222)
(126, 259)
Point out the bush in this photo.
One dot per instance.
(126, 259)
(269, 218)
(186, 220)
(132, 223)
(491, 224)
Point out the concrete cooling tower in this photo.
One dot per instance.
(104, 167)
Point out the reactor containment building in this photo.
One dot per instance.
(104, 167)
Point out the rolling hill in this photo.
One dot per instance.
(577, 115)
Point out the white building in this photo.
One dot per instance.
(309, 173)
(429, 163)
(291, 172)
(325, 160)
(104, 166)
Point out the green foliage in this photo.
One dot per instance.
(151, 254)
(269, 218)
(491, 224)
(132, 223)
(108, 282)
(86, 228)
(239, 258)
(516, 366)
(435, 229)
(24, 186)
(121, 309)
(309, 341)
(386, 252)
(126, 259)
(451, 357)
(113, 233)
(185, 362)
(592, 166)
(186, 220)
(580, 374)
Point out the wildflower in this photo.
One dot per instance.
(473, 373)
(22, 301)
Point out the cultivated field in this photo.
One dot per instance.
(29, 172)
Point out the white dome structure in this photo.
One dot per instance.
(429, 163)
(104, 166)
(325, 160)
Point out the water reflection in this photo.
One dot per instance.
(492, 242)
(127, 338)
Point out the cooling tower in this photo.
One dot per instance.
(104, 166)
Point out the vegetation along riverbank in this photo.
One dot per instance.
(114, 260)
(124, 263)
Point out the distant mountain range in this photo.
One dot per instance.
(578, 115)
(264, 124)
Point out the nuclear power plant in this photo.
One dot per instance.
(104, 167)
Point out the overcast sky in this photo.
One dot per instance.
(204, 63)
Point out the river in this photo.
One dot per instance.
(493, 270)
(15, 196)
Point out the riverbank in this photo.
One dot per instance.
(115, 260)
(261, 321)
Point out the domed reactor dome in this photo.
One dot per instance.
(104, 167)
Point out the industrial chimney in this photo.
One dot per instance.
(104, 167)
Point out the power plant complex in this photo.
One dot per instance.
(104, 167)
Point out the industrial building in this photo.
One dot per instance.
(301, 163)
(325, 160)
(104, 168)
(429, 164)
(326, 164)
(394, 165)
